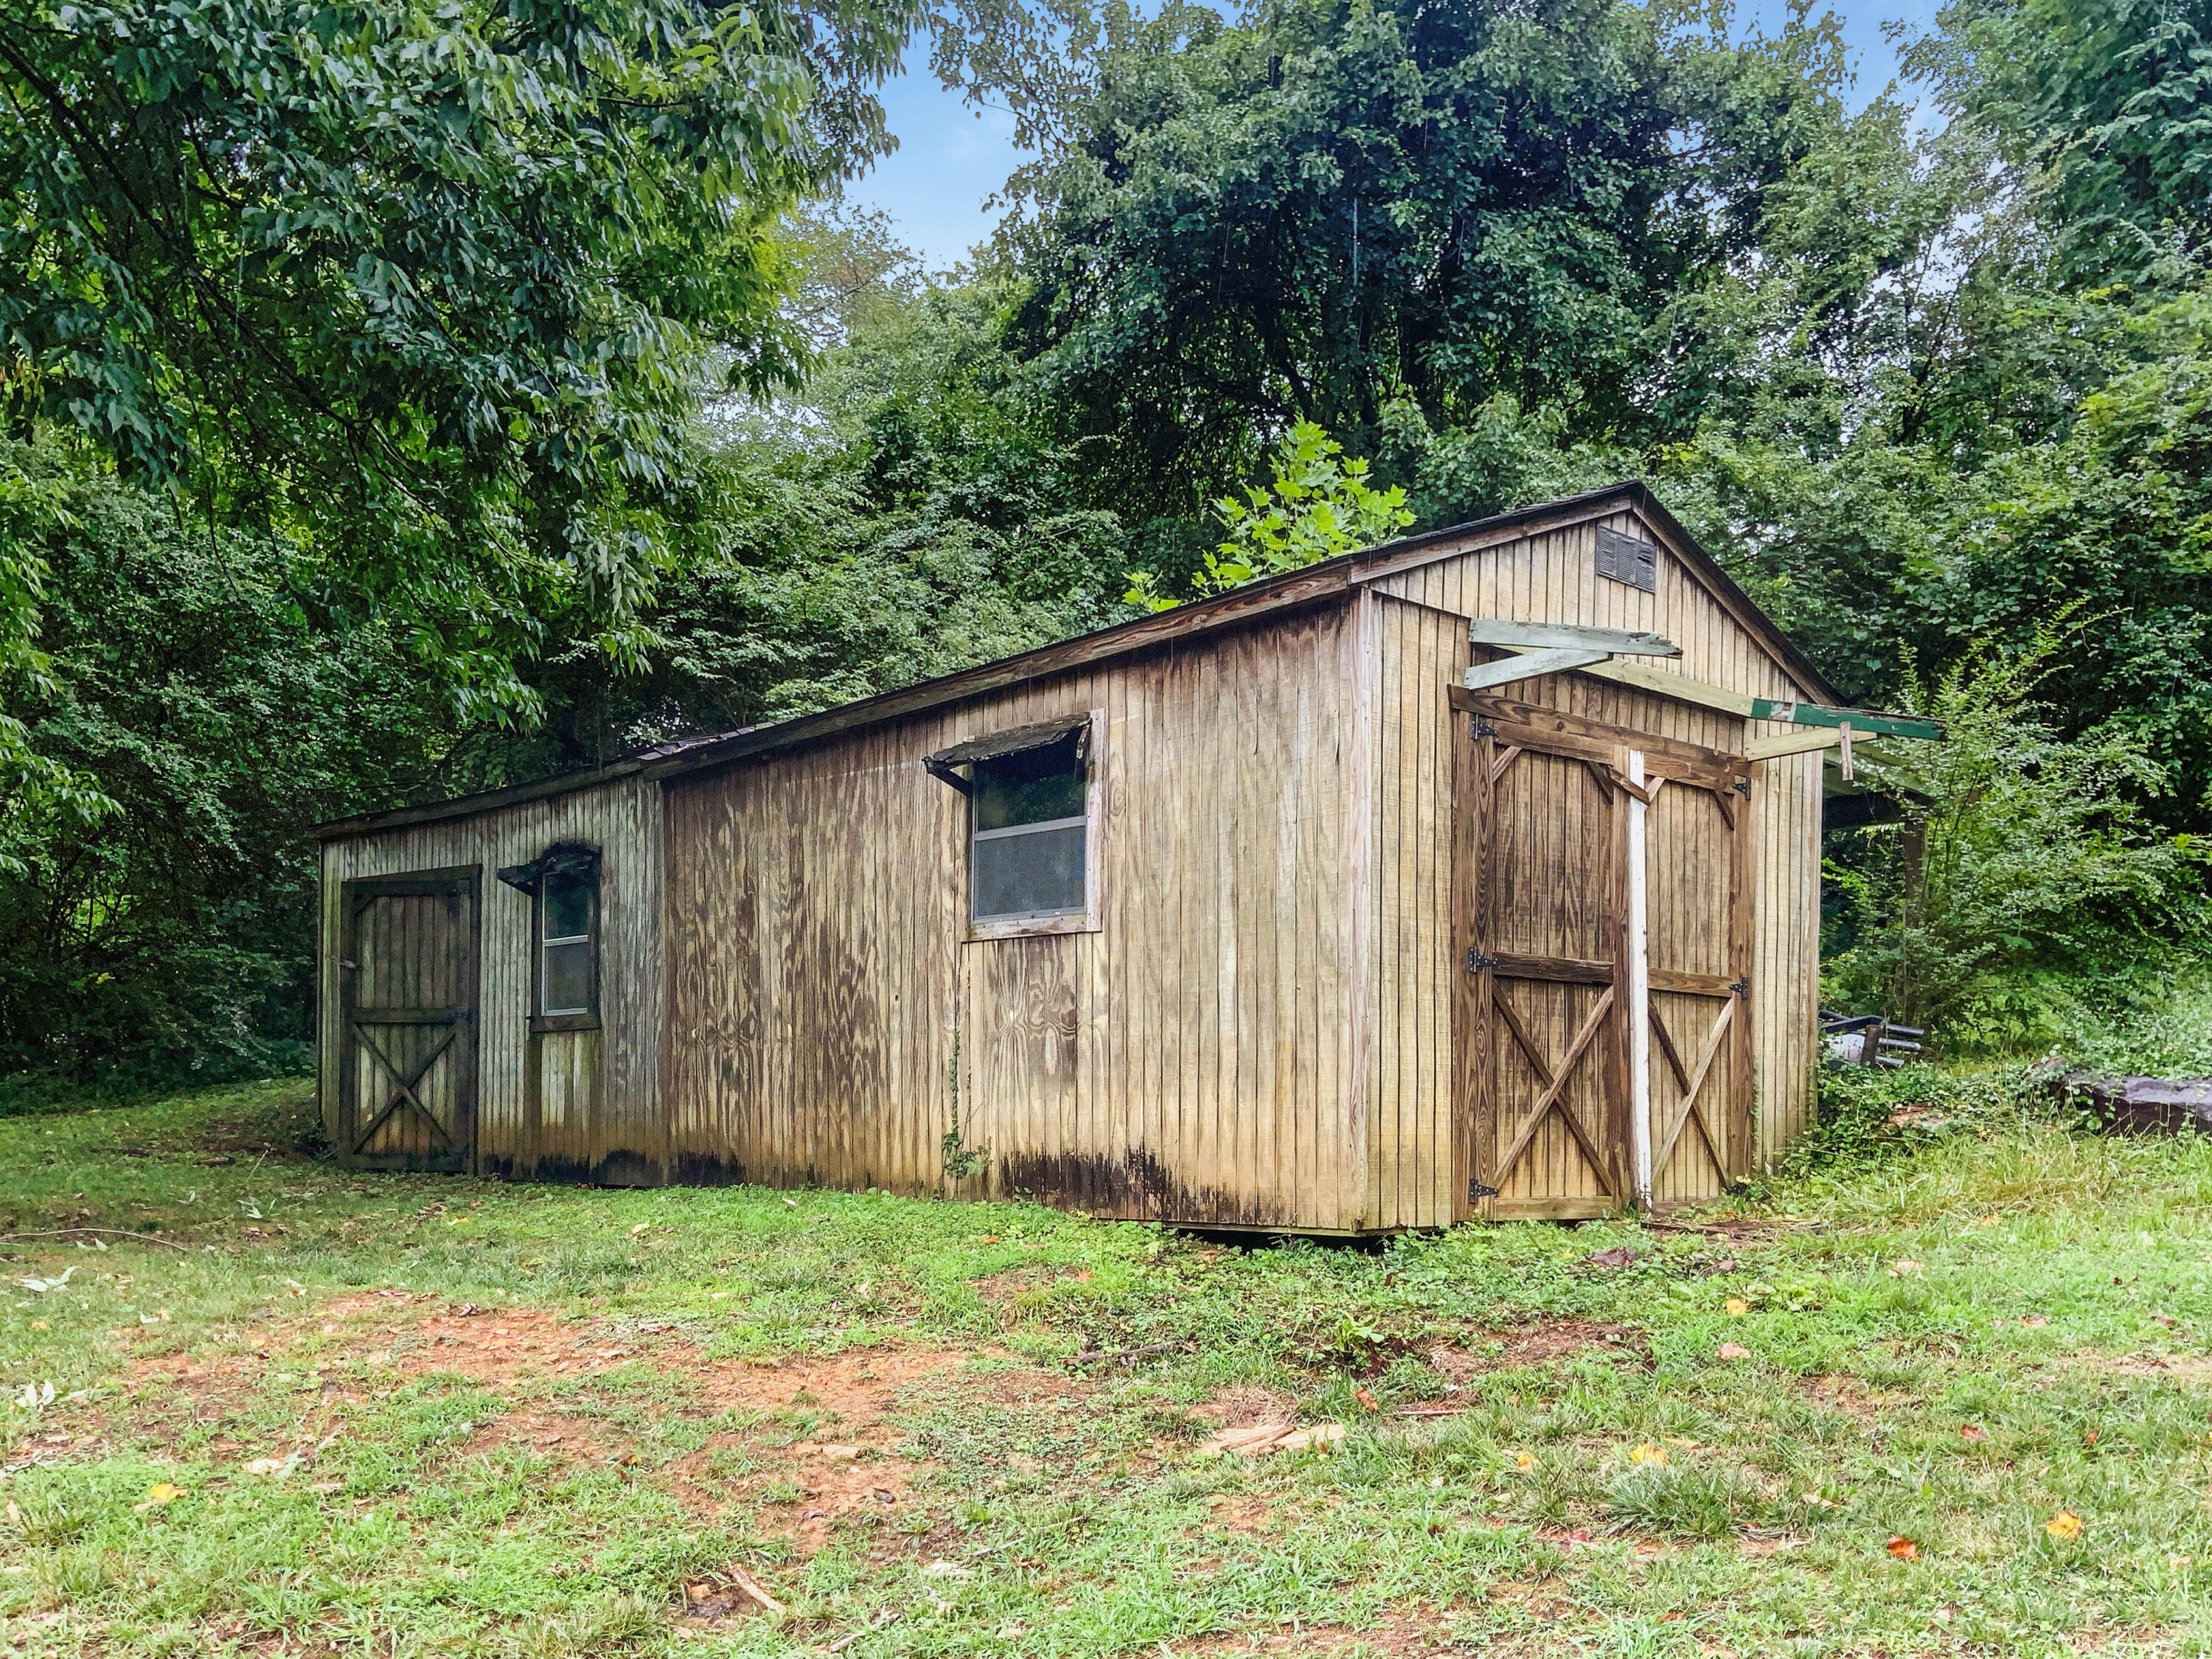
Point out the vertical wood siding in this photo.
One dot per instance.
(566, 1105)
(1552, 577)
(1184, 1061)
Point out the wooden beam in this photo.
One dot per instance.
(1531, 665)
(1801, 743)
(1571, 636)
(1864, 722)
(1555, 726)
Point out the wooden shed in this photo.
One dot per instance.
(1246, 915)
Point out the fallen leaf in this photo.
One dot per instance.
(1525, 1461)
(1080, 1279)
(1736, 1304)
(638, 1231)
(41, 1325)
(2035, 1322)
(1903, 1269)
(1648, 1453)
(1970, 1432)
(1677, 1440)
(1365, 1398)
(1904, 1549)
(947, 1570)
(1733, 1351)
(2064, 1524)
(1619, 1257)
(2088, 1437)
(159, 1494)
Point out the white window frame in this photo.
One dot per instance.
(1087, 920)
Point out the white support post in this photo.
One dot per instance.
(1639, 993)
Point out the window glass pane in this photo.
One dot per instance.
(1033, 874)
(1031, 788)
(567, 900)
(568, 978)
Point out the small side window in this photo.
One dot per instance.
(568, 942)
(562, 885)
(1029, 833)
(1033, 797)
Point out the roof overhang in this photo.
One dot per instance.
(1316, 585)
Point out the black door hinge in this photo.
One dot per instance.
(1742, 987)
(1478, 728)
(1743, 787)
(1476, 961)
(1476, 1192)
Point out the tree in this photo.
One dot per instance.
(426, 288)
(2099, 106)
(1330, 207)
(2018, 849)
(1316, 507)
(173, 935)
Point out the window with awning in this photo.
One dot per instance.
(1028, 801)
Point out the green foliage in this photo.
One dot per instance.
(1871, 1114)
(2100, 105)
(1314, 213)
(190, 686)
(1316, 507)
(427, 288)
(2017, 847)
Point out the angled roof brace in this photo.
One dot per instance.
(1550, 647)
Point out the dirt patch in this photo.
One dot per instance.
(811, 1444)
(1240, 1408)
(1407, 1632)
(1841, 1392)
(2169, 1367)
(1016, 1283)
(1544, 1344)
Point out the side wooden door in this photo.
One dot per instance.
(1698, 908)
(407, 1069)
(1539, 1026)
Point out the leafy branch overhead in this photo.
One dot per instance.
(429, 288)
(1316, 507)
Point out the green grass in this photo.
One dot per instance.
(1040, 1505)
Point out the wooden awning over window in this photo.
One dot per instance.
(1018, 740)
(562, 858)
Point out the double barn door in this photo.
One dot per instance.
(1602, 884)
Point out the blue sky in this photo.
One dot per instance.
(949, 162)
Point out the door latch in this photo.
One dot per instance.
(1476, 961)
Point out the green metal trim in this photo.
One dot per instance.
(1859, 720)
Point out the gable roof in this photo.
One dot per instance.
(1314, 584)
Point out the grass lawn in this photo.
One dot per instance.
(394, 1415)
